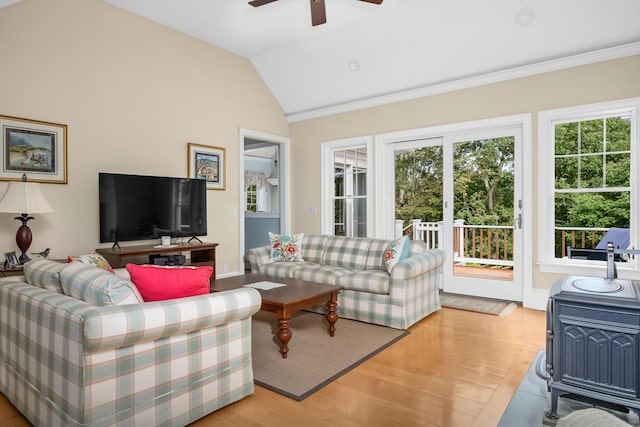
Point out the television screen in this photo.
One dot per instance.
(137, 207)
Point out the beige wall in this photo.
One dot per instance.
(133, 94)
(617, 79)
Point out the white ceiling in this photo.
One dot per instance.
(400, 46)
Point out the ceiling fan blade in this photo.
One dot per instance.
(318, 12)
(373, 1)
(256, 3)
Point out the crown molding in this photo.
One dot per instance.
(480, 80)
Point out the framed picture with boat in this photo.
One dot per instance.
(33, 148)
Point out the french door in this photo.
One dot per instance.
(462, 192)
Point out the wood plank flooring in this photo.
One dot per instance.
(456, 368)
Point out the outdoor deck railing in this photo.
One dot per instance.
(481, 244)
(492, 244)
(578, 237)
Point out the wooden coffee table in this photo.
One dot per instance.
(296, 295)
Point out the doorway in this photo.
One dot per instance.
(461, 190)
(264, 191)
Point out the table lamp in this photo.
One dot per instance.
(24, 198)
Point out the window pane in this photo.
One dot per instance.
(592, 136)
(566, 138)
(619, 133)
(360, 217)
(416, 170)
(619, 170)
(338, 184)
(582, 219)
(566, 172)
(339, 216)
(591, 172)
(360, 186)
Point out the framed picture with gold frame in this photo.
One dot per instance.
(208, 163)
(33, 148)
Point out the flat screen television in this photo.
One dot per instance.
(138, 207)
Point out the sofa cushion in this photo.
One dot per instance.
(94, 259)
(313, 248)
(321, 274)
(375, 254)
(97, 286)
(348, 252)
(417, 247)
(284, 269)
(159, 283)
(396, 251)
(286, 247)
(371, 281)
(44, 273)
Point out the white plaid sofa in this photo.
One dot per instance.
(398, 299)
(65, 362)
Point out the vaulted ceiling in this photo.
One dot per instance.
(367, 53)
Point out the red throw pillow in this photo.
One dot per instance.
(157, 283)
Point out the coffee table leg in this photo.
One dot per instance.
(331, 316)
(284, 335)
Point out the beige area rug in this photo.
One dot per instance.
(315, 359)
(477, 304)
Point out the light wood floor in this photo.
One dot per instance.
(456, 368)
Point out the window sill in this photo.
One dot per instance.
(590, 268)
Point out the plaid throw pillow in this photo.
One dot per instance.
(286, 247)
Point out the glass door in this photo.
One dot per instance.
(463, 194)
(483, 214)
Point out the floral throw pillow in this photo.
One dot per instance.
(286, 247)
(93, 258)
(397, 250)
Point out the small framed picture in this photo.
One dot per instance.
(11, 259)
(208, 163)
(33, 148)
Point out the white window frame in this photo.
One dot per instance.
(328, 149)
(548, 263)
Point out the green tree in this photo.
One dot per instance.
(418, 184)
(483, 173)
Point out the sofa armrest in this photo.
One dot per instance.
(258, 256)
(417, 264)
(119, 326)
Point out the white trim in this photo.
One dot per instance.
(474, 81)
(326, 179)
(546, 257)
(284, 181)
(535, 298)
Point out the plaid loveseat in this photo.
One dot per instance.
(398, 299)
(65, 362)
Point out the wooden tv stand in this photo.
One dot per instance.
(200, 254)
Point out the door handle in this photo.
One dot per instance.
(517, 222)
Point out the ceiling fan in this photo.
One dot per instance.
(318, 13)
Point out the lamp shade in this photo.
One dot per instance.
(24, 197)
